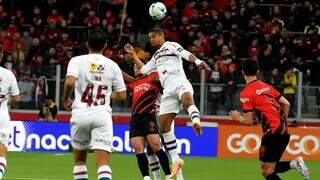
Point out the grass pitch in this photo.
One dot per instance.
(46, 166)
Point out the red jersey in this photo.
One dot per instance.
(145, 92)
(262, 99)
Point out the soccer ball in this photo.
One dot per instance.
(157, 11)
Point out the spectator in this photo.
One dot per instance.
(55, 17)
(92, 20)
(41, 91)
(72, 20)
(18, 54)
(215, 87)
(276, 79)
(289, 83)
(303, 67)
(232, 78)
(109, 19)
(254, 49)
(27, 89)
(282, 59)
(48, 111)
(36, 19)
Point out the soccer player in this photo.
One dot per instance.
(263, 101)
(8, 89)
(167, 60)
(94, 77)
(143, 126)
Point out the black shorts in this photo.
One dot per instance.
(143, 125)
(273, 146)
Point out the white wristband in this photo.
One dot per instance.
(198, 62)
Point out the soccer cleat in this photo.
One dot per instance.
(176, 167)
(197, 128)
(299, 165)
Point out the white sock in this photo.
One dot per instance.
(168, 177)
(194, 114)
(104, 173)
(80, 172)
(3, 164)
(154, 166)
(171, 145)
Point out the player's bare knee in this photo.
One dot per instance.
(187, 99)
(155, 146)
(138, 149)
(165, 129)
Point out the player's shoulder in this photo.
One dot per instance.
(172, 44)
(7, 72)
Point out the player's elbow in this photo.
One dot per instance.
(15, 99)
(119, 96)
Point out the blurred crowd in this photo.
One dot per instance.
(284, 37)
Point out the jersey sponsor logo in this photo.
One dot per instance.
(262, 90)
(96, 68)
(244, 99)
(142, 87)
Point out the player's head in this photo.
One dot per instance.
(250, 68)
(156, 37)
(96, 41)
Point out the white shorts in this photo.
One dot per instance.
(92, 128)
(171, 99)
(5, 131)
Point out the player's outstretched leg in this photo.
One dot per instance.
(299, 165)
(153, 163)
(170, 142)
(193, 111)
(3, 164)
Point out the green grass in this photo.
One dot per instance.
(44, 166)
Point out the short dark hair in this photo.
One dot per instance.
(97, 40)
(156, 30)
(250, 67)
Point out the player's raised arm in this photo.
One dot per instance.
(180, 51)
(144, 68)
(130, 49)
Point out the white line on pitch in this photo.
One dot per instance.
(17, 178)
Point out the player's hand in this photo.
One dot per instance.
(67, 104)
(197, 128)
(234, 115)
(204, 65)
(129, 49)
